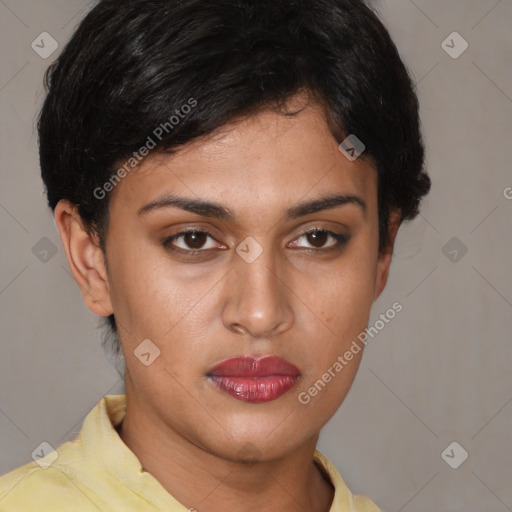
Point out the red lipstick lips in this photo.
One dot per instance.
(254, 380)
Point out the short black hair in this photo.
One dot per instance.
(133, 65)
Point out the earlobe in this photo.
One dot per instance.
(384, 261)
(85, 258)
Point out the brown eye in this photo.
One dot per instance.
(190, 241)
(195, 239)
(317, 238)
(321, 240)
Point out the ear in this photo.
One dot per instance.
(384, 261)
(85, 258)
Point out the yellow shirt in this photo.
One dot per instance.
(98, 472)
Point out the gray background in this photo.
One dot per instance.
(439, 372)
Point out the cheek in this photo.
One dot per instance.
(333, 352)
(175, 309)
(150, 295)
(343, 297)
(338, 311)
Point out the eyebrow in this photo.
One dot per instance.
(221, 212)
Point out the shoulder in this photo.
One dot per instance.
(28, 485)
(35, 488)
(364, 504)
(344, 499)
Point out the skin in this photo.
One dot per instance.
(304, 306)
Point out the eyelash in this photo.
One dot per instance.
(341, 241)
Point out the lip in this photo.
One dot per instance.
(254, 379)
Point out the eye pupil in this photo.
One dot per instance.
(195, 239)
(318, 237)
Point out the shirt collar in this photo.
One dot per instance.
(101, 443)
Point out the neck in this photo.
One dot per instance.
(202, 480)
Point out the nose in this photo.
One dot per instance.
(258, 298)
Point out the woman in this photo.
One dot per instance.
(228, 179)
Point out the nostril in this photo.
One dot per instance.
(238, 328)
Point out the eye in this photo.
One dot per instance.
(318, 238)
(191, 241)
(195, 241)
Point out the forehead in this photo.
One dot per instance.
(262, 161)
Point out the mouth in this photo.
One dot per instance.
(254, 380)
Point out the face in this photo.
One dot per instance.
(251, 263)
